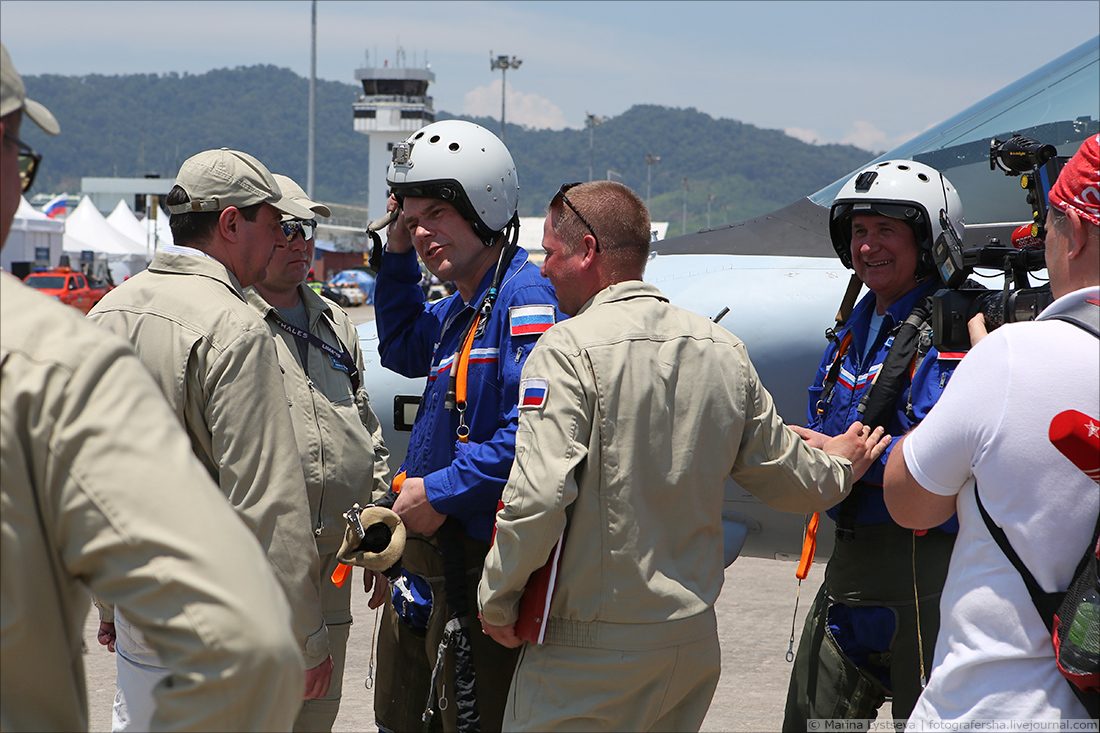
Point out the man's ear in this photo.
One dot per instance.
(229, 222)
(589, 245)
(1079, 230)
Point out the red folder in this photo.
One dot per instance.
(534, 606)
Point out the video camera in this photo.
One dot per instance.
(962, 298)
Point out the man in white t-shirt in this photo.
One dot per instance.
(994, 657)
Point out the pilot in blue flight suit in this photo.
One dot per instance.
(861, 641)
(455, 187)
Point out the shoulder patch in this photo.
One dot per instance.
(532, 393)
(527, 320)
(950, 355)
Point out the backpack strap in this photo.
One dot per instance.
(1084, 314)
(1045, 603)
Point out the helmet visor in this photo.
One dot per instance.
(904, 212)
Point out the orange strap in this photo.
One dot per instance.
(397, 481)
(809, 547)
(464, 361)
(341, 574)
(844, 344)
(460, 371)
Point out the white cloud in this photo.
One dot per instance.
(529, 110)
(865, 135)
(862, 134)
(801, 133)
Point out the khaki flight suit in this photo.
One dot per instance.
(214, 359)
(648, 409)
(100, 491)
(343, 456)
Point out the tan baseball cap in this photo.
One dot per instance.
(13, 96)
(294, 192)
(217, 179)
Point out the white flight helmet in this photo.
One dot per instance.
(462, 163)
(917, 194)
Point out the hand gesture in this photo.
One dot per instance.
(398, 238)
(860, 445)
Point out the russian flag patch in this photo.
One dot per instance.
(527, 320)
(532, 393)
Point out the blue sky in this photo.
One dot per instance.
(868, 73)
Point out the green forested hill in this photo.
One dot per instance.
(147, 123)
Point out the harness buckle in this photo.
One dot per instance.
(463, 429)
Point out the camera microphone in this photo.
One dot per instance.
(1024, 237)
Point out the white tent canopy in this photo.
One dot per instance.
(88, 230)
(32, 233)
(155, 234)
(26, 211)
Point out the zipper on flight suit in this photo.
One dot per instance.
(321, 499)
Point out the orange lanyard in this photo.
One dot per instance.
(460, 370)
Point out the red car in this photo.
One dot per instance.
(68, 286)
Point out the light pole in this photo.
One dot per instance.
(311, 161)
(503, 63)
(590, 121)
(650, 161)
(687, 187)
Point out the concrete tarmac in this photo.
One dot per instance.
(754, 611)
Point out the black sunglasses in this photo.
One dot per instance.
(291, 229)
(565, 199)
(28, 161)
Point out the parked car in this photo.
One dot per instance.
(352, 295)
(343, 296)
(364, 280)
(69, 286)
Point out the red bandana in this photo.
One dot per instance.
(1078, 185)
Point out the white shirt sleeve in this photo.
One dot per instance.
(942, 451)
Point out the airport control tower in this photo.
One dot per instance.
(394, 104)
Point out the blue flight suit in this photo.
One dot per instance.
(864, 615)
(462, 480)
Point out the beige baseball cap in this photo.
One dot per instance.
(13, 96)
(294, 192)
(217, 179)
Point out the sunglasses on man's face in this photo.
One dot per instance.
(28, 161)
(560, 195)
(292, 228)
